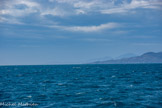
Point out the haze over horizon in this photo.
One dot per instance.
(74, 31)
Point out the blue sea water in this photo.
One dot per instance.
(82, 86)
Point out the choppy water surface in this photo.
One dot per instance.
(83, 86)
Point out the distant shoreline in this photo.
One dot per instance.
(82, 64)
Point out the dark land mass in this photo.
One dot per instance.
(149, 57)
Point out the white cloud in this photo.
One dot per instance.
(54, 12)
(134, 4)
(96, 40)
(21, 8)
(88, 28)
(28, 3)
(109, 6)
(86, 5)
(80, 11)
(11, 8)
(75, 7)
(10, 21)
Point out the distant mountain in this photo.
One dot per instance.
(100, 59)
(149, 57)
(128, 55)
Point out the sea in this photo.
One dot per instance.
(81, 86)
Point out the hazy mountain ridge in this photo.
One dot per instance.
(149, 57)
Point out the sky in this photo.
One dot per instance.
(77, 31)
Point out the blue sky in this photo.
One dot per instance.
(76, 31)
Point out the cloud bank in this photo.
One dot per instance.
(88, 28)
(13, 11)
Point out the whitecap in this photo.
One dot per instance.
(131, 85)
(29, 96)
(113, 76)
(79, 93)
